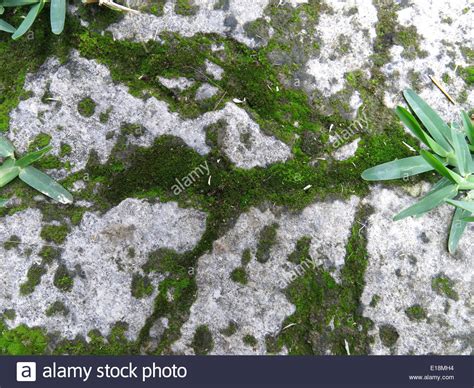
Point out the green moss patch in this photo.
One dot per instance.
(86, 107)
(13, 242)
(231, 329)
(267, 240)
(415, 313)
(22, 340)
(203, 342)
(57, 308)
(444, 286)
(301, 251)
(250, 340)
(141, 286)
(388, 335)
(34, 275)
(63, 279)
(54, 233)
(321, 302)
(185, 7)
(239, 275)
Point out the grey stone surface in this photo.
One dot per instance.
(208, 19)
(180, 83)
(206, 91)
(259, 307)
(404, 259)
(346, 151)
(80, 78)
(101, 294)
(445, 31)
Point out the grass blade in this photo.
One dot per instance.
(58, 15)
(3, 202)
(461, 150)
(430, 119)
(397, 169)
(469, 206)
(18, 3)
(8, 172)
(410, 122)
(468, 127)
(44, 184)
(29, 20)
(6, 148)
(32, 157)
(440, 167)
(430, 201)
(458, 226)
(4, 26)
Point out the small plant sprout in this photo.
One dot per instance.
(13, 167)
(57, 13)
(451, 149)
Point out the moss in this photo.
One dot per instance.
(185, 7)
(65, 150)
(49, 162)
(150, 172)
(221, 4)
(301, 251)
(267, 239)
(246, 257)
(40, 141)
(375, 301)
(257, 30)
(388, 335)
(116, 343)
(47, 96)
(415, 313)
(311, 143)
(98, 18)
(321, 301)
(12, 242)
(17, 58)
(86, 107)
(250, 340)
(9, 314)
(49, 254)
(230, 330)
(33, 276)
(444, 286)
(409, 39)
(141, 286)
(344, 44)
(239, 275)
(162, 260)
(22, 340)
(446, 78)
(104, 116)
(63, 279)
(467, 74)
(203, 342)
(135, 130)
(54, 233)
(57, 308)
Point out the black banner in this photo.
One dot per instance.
(237, 371)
